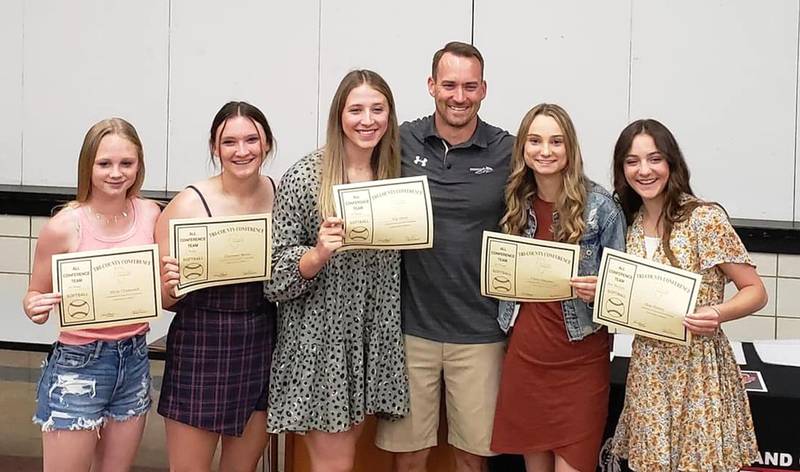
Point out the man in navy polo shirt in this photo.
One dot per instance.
(451, 333)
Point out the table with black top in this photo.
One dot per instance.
(776, 417)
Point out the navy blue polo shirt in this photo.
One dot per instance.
(441, 297)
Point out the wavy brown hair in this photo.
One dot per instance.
(385, 156)
(521, 187)
(677, 207)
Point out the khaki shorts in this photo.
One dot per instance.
(471, 374)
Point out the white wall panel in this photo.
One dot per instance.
(395, 39)
(559, 52)
(16, 326)
(722, 76)
(261, 52)
(85, 61)
(797, 142)
(11, 32)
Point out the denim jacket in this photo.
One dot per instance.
(605, 227)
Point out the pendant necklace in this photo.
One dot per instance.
(108, 219)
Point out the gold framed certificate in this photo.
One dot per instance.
(221, 250)
(527, 270)
(386, 214)
(645, 297)
(109, 287)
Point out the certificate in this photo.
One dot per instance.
(221, 250)
(110, 287)
(527, 270)
(645, 297)
(386, 214)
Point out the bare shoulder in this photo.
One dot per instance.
(60, 233)
(150, 208)
(186, 204)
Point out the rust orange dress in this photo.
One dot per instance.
(553, 393)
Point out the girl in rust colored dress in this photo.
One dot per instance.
(553, 397)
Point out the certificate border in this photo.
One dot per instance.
(489, 237)
(676, 272)
(176, 229)
(374, 184)
(88, 255)
(340, 196)
(177, 223)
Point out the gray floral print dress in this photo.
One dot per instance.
(339, 354)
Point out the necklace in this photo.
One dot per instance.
(108, 219)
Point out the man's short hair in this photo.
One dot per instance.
(456, 48)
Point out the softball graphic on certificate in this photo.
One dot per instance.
(107, 288)
(221, 250)
(386, 214)
(526, 269)
(645, 297)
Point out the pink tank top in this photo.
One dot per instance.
(141, 232)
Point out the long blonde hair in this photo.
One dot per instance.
(521, 188)
(91, 142)
(385, 156)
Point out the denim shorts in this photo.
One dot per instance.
(81, 386)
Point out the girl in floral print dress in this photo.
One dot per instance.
(685, 406)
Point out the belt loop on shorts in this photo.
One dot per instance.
(139, 340)
(52, 352)
(98, 347)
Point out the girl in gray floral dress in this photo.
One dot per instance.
(339, 354)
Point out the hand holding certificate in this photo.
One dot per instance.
(107, 288)
(527, 270)
(386, 214)
(221, 250)
(645, 297)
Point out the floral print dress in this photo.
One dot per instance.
(685, 406)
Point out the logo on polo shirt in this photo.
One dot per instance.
(421, 161)
(481, 170)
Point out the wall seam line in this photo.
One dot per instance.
(630, 59)
(796, 85)
(22, 103)
(472, 25)
(169, 86)
(319, 69)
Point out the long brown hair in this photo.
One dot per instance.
(385, 156)
(91, 142)
(521, 187)
(677, 207)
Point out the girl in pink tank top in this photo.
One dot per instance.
(91, 238)
(94, 378)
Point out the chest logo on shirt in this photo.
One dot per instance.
(481, 170)
(421, 161)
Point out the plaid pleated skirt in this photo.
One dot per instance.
(219, 350)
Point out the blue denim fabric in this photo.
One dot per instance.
(83, 385)
(605, 227)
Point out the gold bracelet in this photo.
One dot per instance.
(716, 310)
